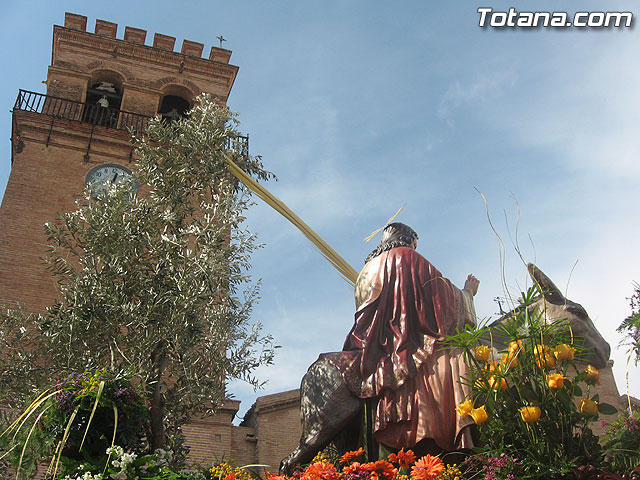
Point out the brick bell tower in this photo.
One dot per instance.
(98, 87)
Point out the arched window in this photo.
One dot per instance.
(176, 102)
(103, 100)
(173, 107)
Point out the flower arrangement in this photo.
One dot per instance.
(402, 465)
(72, 423)
(95, 409)
(125, 465)
(530, 401)
(228, 471)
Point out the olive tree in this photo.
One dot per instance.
(157, 283)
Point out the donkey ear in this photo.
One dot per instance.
(551, 293)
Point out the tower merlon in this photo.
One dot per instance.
(193, 49)
(164, 42)
(220, 55)
(75, 21)
(135, 35)
(106, 29)
(138, 36)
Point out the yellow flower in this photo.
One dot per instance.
(543, 357)
(564, 352)
(555, 380)
(530, 414)
(516, 346)
(464, 409)
(479, 415)
(497, 383)
(593, 375)
(479, 384)
(481, 353)
(510, 359)
(588, 406)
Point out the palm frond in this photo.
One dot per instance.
(346, 270)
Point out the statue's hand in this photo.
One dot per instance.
(471, 284)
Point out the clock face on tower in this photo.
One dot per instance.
(101, 177)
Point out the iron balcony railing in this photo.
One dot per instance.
(94, 114)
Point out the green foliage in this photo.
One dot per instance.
(622, 442)
(529, 394)
(123, 465)
(107, 403)
(157, 283)
(630, 327)
(24, 373)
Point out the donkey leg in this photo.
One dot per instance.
(326, 407)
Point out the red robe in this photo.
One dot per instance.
(392, 353)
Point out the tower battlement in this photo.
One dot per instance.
(138, 36)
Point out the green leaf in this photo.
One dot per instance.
(93, 411)
(607, 409)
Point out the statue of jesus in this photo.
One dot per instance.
(393, 354)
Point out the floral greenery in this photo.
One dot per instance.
(523, 399)
(129, 466)
(81, 390)
(228, 471)
(400, 466)
(630, 327)
(622, 442)
(75, 421)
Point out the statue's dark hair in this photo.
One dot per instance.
(394, 235)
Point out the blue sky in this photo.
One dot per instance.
(360, 107)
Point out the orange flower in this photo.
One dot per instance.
(320, 471)
(347, 457)
(230, 476)
(509, 359)
(564, 352)
(427, 468)
(271, 476)
(479, 415)
(464, 409)
(481, 353)
(530, 414)
(516, 346)
(402, 458)
(493, 366)
(381, 469)
(588, 406)
(355, 467)
(555, 380)
(593, 375)
(497, 383)
(543, 357)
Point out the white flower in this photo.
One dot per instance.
(115, 450)
(127, 458)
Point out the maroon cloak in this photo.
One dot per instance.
(393, 351)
